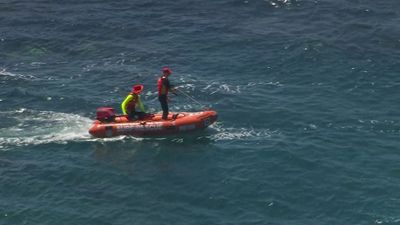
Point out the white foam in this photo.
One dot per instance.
(239, 133)
(5, 73)
(225, 88)
(41, 127)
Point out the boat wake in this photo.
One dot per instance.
(30, 127)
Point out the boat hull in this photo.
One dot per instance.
(154, 125)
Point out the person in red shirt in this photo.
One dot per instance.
(164, 87)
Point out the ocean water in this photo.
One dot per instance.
(307, 93)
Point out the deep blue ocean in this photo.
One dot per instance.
(307, 93)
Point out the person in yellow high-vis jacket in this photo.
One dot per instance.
(132, 102)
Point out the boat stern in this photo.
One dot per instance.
(99, 130)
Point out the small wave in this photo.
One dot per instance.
(5, 73)
(216, 87)
(282, 3)
(381, 126)
(33, 127)
(190, 84)
(239, 133)
(387, 220)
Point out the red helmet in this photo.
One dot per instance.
(137, 89)
(166, 70)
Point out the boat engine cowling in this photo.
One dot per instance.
(105, 114)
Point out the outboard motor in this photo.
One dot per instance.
(105, 114)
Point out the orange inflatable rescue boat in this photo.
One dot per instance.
(108, 124)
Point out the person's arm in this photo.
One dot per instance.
(140, 103)
(125, 103)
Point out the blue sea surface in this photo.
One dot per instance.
(307, 93)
